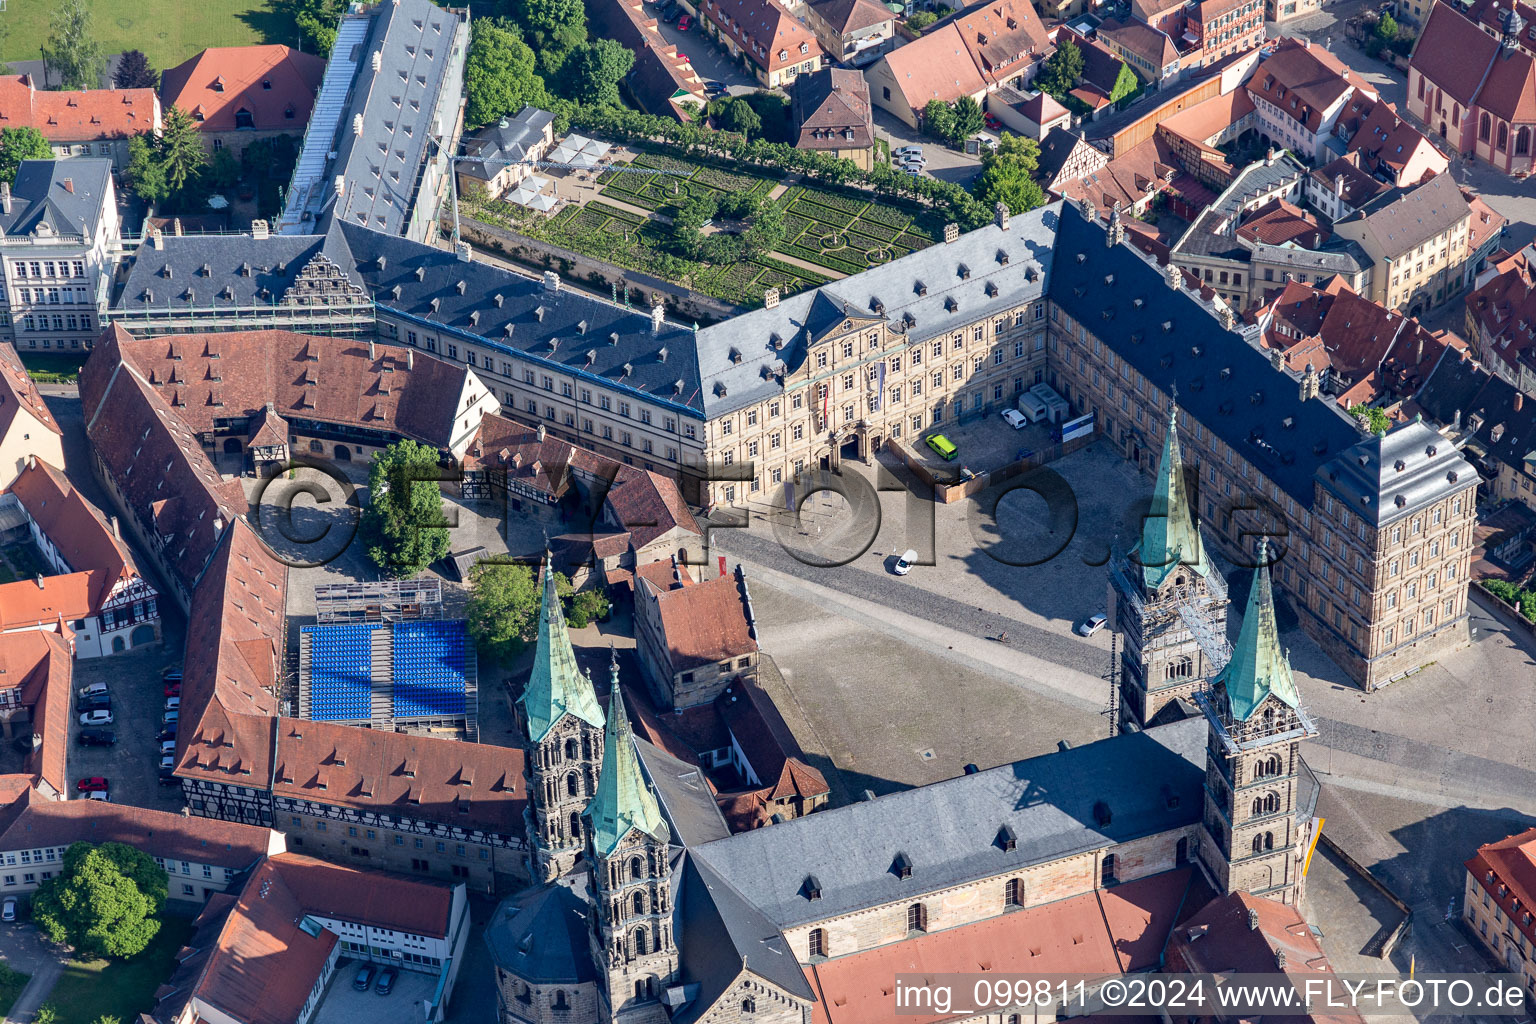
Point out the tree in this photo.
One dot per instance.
(1059, 75)
(500, 75)
(1386, 28)
(72, 52)
(403, 523)
(1007, 175)
(554, 29)
(46, 1014)
(105, 902)
(18, 144)
(133, 72)
(223, 171)
(146, 175)
(595, 69)
(939, 119)
(316, 20)
(1375, 419)
(740, 117)
(968, 119)
(503, 607)
(586, 608)
(921, 20)
(181, 149)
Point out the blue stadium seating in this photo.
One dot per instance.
(340, 672)
(430, 668)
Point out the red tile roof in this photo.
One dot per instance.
(75, 527)
(1278, 222)
(1504, 308)
(1104, 932)
(831, 110)
(1453, 53)
(40, 664)
(783, 776)
(935, 66)
(375, 898)
(274, 84)
(19, 392)
(770, 36)
(704, 623)
(35, 821)
(1512, 862)
(1304, 81)
(26, 604)
(77, 116)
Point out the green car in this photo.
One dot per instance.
(943, 447)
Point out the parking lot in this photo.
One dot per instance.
(984, 444)
(131, 766)
(342, 1004)
(704, 54)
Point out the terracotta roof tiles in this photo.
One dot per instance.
(274, 85)
(78, 115)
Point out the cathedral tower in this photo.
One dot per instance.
(562, 725)
(1169, 601)
(632, 935)
(1259, 796)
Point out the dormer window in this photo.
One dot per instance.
(901, 866)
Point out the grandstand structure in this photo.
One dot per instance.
(382, 656)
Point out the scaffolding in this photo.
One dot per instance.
(382, 601)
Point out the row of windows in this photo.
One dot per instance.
(48, 268)
(59, 322)
(353, 831)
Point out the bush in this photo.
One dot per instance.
(1523, 599)
(921, 20)
(587, 607)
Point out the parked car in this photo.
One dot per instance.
(906, 150)
(943, 447)
(90, 783)
(364, 978)
(991, 122)
(714, 88)
(166, 734)
(8, 910)
(172, 703)
(1015, 419)
(386, 983)
(173, 689)
(1091, 625)
(167, 746)
(170, 719)
(94, 703)
(94, 690)
(168, 778)
(905, 562)
(98, 794)
(685, 23)
(171, 675)
(96, 737)
(671, 15)
(168, 762)
(101, 716)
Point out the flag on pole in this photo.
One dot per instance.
(879, 387)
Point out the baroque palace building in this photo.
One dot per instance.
(1371, 536)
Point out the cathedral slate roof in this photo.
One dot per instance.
(556, 688)
(623, 802)
(541, 935)
(1169, 538)
(1071, 801)
(1258, 668)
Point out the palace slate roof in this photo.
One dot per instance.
(1403, 219)
(1388, 477)
(1076, 800)
(1171, 339)
(933, 290)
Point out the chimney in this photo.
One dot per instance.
(1253, 920)
(658, 312)
(1175, 277)
(1309, 383)
(156, 236)
(40, 581)
(1116, 233)
(540, 433)
(357, 124)
(260, 230)
(69, 185)
(1000, 214)
(1227, 317)
(176, 227)
(551, 281)
(1269, 158)
(1418, 350)
(5, 196)
(378, 59)
(1519, 401)
(31, 461)
(339, 185)
(372, 354)
(1338, 185)
(410, 359)
(1275, 359)
(770, 298)
(117, 531)
(951, 233)
(461, 250)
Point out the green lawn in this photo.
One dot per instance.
(50, 369)
(124, 989)
(168, 31)
(11, 983)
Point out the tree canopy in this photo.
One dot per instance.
(1007, 175)
(939, 119)
(500, 73)
(105, 902)
(553, 28)
(133, 72)
(1375, 419)
(169, 169)
(316, 20)
(921, 20)
(1061, 70)
(740, 117)
(503, 607)
(72, 52)
(18, 144)
(594, 70)
(953, 122)
(404, 524)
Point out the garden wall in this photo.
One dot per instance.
(531, 252)
(1502, 610)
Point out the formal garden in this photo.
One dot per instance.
(837, 231)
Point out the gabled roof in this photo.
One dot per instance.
(274, 84)
(831, 110)
(59, 197)
(75, 527)
(1305, 81)
(1453, 53)
(77, 115)
(39, 664)
(18, 394)
(1150, 44)
(935, 66)
(556, 687)
(1512, 862)
(844, 16)
(703, 624)
(770, 36)
(1049, 802)
(1403, 219)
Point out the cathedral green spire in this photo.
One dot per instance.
(1168, 536)
(556, 687)
(623, 800)
(1258, 667)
